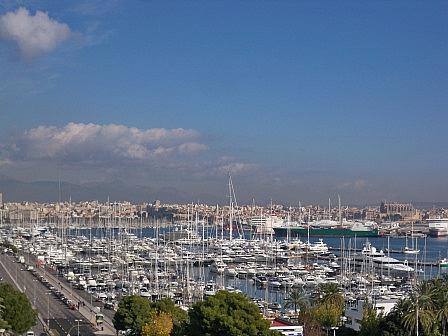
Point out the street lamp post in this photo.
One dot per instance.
(78, 324)
(77, 321)
(334, 330)
(34, 292)
(48, 311)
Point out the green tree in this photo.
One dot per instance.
(391, 325)
(296, 299)
(178, 315)
(330, 293)
(311, 327)
(133, 312)
(441, 301)
(227, 314)
(329, 307)
(17, 310)
(3, 323)
(327, 314)
(420, 310)
(371, 321)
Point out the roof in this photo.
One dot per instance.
(280, 323)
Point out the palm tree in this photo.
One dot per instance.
(441, 299)
(330, 293)
(296, 299)
(420, 309)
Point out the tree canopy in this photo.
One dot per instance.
(370, 324)
(161, 325)
(425, 310)
(143, 317)
(227, 314)
(296, 300)
(133, 312)
(17, 311)
(178, 316)
(329, 307)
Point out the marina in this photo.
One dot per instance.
(188, 261)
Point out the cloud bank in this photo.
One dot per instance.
(229, 165)
(177, 158)
(78, 142)
(33, 35)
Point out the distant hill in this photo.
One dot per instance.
(48, 191)
(428, 205)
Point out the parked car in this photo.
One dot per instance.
(109, 305)
(71, 305)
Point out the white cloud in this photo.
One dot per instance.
(228, 165)
(192, 147)
(33, 34)
(79, 142)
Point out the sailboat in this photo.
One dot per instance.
(411, 250)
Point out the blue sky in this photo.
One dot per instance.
(300, 100)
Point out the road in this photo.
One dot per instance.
(51, 309)
(87, 297)
(82, 295)
(88, 310)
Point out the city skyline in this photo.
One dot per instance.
(299, 101)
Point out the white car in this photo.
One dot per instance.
(30, 333)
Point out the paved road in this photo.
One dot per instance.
(61, 318)
(11, 279)
(87, 297)
(87, 310)
(83, 295)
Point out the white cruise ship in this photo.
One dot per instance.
(438, 227)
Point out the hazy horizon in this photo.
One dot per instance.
(118, 191)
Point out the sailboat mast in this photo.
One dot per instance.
(230, 208)
(270, 218)
(339, 208)
(216, 220)
(309, 218)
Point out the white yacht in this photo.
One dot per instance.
(371, 251)
(318, 247)
(438, 227)
(392, 264)
(265, 224)
(409, 250)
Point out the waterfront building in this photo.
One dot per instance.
(354, 311)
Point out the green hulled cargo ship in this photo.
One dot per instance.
(357, 229)
(330, 232)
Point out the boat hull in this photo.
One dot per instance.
(315, 232)
(438, 233)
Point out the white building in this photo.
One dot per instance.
(354, 311)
